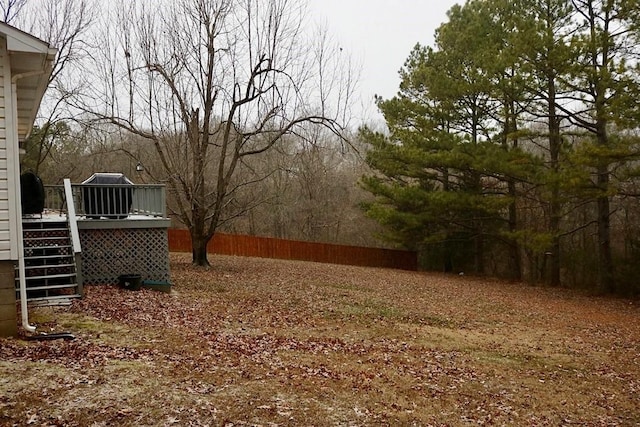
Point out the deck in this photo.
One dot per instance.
(114, 230)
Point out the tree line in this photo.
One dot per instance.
(513, 144)
(510, 148)
(199, 92)
(297, 192)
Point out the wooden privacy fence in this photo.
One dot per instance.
(266, 247)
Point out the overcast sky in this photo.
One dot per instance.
(380, 35)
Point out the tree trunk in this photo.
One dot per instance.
(554, 255)
(602, 68)
(199, 250)
(511, 128)
(514, 247)
(555, 206)
(199, 239)
(479, 251)
(606, 280)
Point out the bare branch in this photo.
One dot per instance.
(213, 82)
(11, 9)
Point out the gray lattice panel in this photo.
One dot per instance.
(109, 253)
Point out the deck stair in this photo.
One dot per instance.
(51, 272)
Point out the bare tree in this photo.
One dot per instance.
(211, 83)
(10, 9)
(65, 25)
(309, 192)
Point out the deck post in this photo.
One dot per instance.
(71, 217)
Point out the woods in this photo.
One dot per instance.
(191, 91)
(209, 84)
(513, 141)
(511, 148)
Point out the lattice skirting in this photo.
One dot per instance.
(109, 253)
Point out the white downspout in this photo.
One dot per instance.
(23, 281)
(21, 264)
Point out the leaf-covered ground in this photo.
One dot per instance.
(265, 342)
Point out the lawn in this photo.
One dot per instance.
(264, 342)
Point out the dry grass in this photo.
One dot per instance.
(264, 342)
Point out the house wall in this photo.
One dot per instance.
(8, 315)
(5, 238)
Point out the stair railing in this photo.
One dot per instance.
(71, 216)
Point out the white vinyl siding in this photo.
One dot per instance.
(5, 217)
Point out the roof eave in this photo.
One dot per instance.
(31, 66)
(33, 94)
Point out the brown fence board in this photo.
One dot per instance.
(267, 247)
